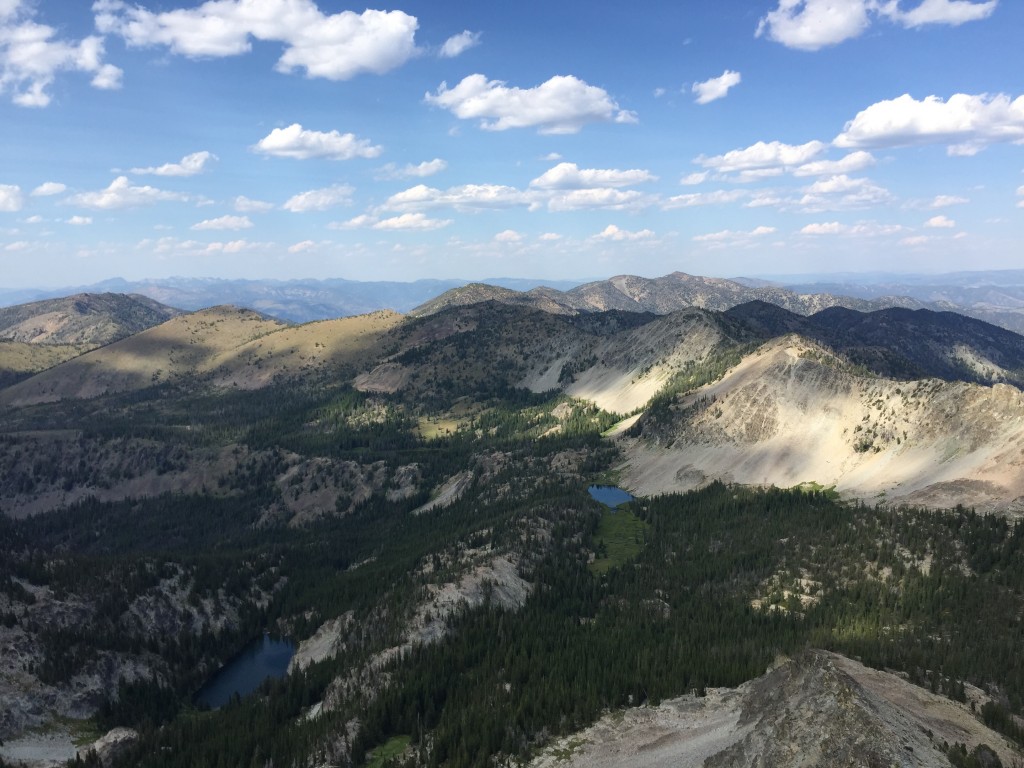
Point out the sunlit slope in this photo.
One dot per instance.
(224, 346)
(19, 359)
(617, 360)
(793, 412)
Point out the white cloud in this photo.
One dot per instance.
(717, 87)
(31, 56)
(813, 24)
(460, 43)
(966, 123)
(469, 196)
(19, 245)
(300, 144)
(842, 193)
(764, 155)
(363, 220)
(190, 165)
(224, 222)
(11, 198)
(37, 219)
(861, 229)
(718, 197)
(508, 236)
(612, 232)
(810, 25)
(940, 222)
(420, 170)
(305, 245)
(853, 162)
(122, 194)
(568, 176)
(337, 46)
(80, 221)
(48, 188)
(319, 199)
(418, 221)
(550, 237)
(234, 246)
(915, 240)
(729, 235)
(604, 197)
(953, 12)
(944, 201)
(244, 204)
(563, 104)
(552, 157)
(693, 179)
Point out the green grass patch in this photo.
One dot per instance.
(619, 538)
(392, 748)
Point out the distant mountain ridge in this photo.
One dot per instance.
(662, 295)
(89, 319)
(297, 301)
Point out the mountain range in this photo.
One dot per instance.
(405, 496)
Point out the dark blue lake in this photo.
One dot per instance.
(262, 658)
(609, 495)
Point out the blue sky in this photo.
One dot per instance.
(310, 138)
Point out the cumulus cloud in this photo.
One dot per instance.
(11, 198)
(363, 220)
(31, 56)
(717, 87)
(568, 176)
(842, 193)
(940, 222)
(860, 229)
(853, 162)
(965, 123)
(763, 154)
(244, 204)
(460, 43)
(234, 246)
(189, 165)
(420, 170)
(693, 179)
(613, 233)
(336, 47)
(810, 25)
(224, 222)
(944, 201)
(48, 188)
(729, 235)
(418, 221)
(123, 194)
(717, 197)
(305, 245)
(468, 196)
(563, 104)
(319, 199)
(508, 236)
(301, 144)
(952, 12)
(598, 198)
(80, 221)
(550, 237)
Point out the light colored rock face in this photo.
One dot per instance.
(820, 709)
(788, 414)
(324, 644)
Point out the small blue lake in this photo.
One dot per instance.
(262, 658)
(609, 495)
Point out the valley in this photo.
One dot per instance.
(405, 498)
